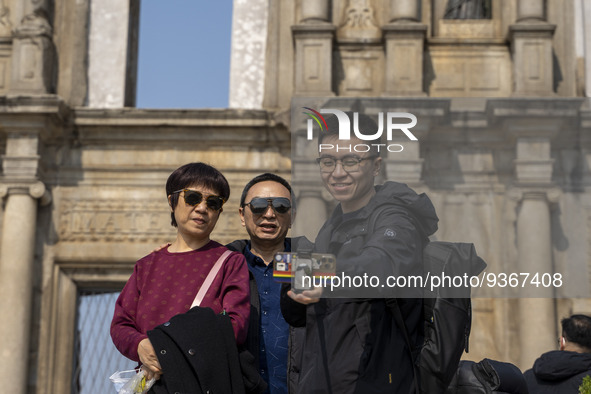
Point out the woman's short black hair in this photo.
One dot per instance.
(267, 176)
(195, 174)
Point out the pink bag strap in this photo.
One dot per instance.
(210, 277)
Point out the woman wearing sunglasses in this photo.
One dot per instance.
(165, 282)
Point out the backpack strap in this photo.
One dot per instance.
(210, 277)
(392, 304)
(238, 246)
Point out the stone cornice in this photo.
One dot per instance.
(314, 29)
(557, 120)
(489, 121)
(174, 127)
(534, 107)
(405, 26)
(463, 42)
(531, 29)
(84, 116)
(43, 114)
(48, 104)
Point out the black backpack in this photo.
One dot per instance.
(447, 312)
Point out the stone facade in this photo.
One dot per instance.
(503, 149)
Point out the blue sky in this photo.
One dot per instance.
(184, 53)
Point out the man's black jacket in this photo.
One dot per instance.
(197, 352)
(558, 372)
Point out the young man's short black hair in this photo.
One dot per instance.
(577, 329)
(366, 125)
(267, 176)
(195, 174)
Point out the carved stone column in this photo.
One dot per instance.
(313, 38)
(249, 53)
(314, 11)
(33, 51)
(16, 282)
(112, 53)
(537, 315)
(531, 46)
(533, 168)
(584, 9)
(530, 10)
(312, 214)
(405, 38)
(20, 189)
(16, 265)
(404, 10)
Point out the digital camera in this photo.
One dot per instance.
(301, 269)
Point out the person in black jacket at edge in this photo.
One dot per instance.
(267, 209)
(352, 345)
(562, 371)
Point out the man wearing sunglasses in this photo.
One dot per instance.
(352, 344)
(267, 208)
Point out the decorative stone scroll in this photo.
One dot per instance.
(33, 53)
(359, 23)
(5, 24)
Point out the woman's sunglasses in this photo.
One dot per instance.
(193, 197)
(260, 205)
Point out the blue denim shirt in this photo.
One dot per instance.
(274, 330)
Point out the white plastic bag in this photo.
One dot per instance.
(131, 382)
(119, 378)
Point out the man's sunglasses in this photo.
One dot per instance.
(260, 205)
(193, 197)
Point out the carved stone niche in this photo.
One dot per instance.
(6, 27)
(468, 57)
(33, 55)
(5, 66)
(482, 28)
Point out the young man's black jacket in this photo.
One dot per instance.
(296, 335)
(352, 344)
(558, 371)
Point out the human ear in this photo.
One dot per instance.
(377, 166)
(241, 213)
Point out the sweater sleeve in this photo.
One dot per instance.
(125, 332)
(236, 294)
